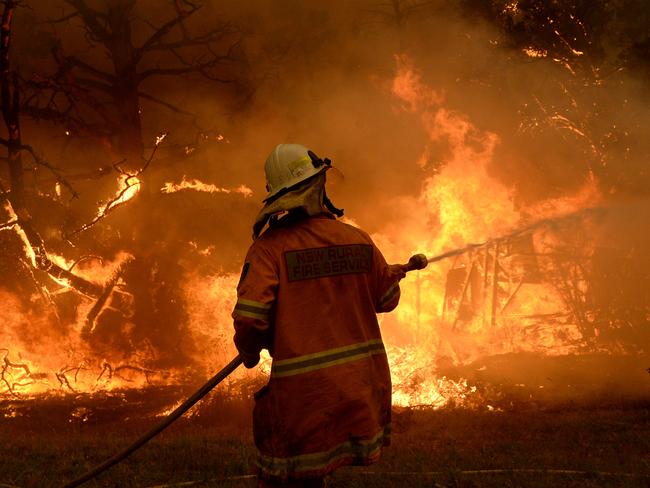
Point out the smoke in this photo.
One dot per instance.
(321, 75)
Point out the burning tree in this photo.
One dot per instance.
(130, 304)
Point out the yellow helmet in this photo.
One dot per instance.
(289, 165)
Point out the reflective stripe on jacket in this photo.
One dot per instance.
(309, 293)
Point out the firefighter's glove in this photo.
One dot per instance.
(396, 271)
(250, 360)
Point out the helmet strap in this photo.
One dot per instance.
(330, 206)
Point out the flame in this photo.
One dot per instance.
(462, 203)
(128, 187)
(167, 410)
(206, 136)
(37, 357)
(445, 314)
(408, 87)
(13, 224)
(511, 7)
(198, 185)
(416, 384)
(533, 52)
(160, 138)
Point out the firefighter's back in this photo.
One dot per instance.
(329, 392)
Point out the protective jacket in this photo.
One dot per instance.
(309, 293)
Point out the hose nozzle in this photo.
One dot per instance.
(417, 261)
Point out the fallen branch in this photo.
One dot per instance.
(4, 371)
(106, 367)
(63, 381)
(8, 225)
(62, 374)
(84, 258)
(138, 369)
(99, 304)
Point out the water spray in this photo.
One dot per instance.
(420, 261)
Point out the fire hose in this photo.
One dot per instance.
(178, 411)
(419, 261)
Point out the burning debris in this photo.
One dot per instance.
(128, 187)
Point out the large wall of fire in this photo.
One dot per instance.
(446, 124)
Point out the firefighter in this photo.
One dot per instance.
(309, 292)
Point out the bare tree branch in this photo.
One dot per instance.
(67, 62)
(195, 66)
(65, 18)
(205, 39)
(42, 162)
(130, 181)
(163, 30)
(53, 169)
(171, 107)
(94, 20)
(43, 95)
(190, 68)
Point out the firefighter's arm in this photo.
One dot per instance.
(253, 313)
(388, 277)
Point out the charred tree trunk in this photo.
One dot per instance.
(125, 88)
(9, 97)
(128, 141)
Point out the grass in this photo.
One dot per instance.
(56, 439)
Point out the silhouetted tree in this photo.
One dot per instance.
(103, 100)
